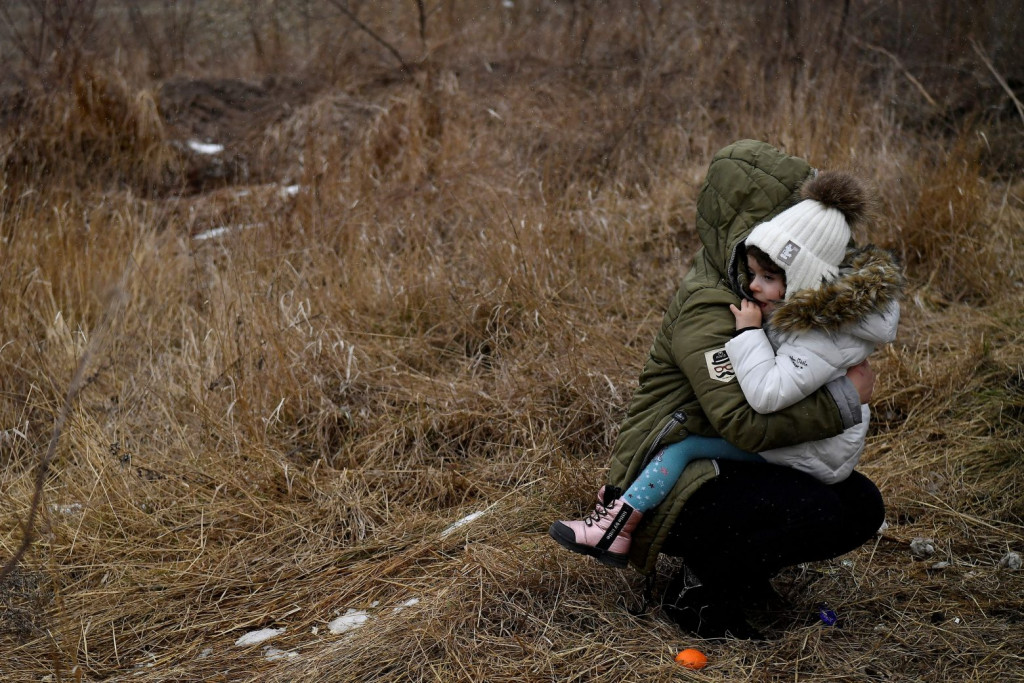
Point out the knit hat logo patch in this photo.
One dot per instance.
(788, 253)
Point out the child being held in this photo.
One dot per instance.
(825, 309)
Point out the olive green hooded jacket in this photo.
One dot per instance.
(687, 385)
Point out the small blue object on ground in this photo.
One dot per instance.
(828, 617)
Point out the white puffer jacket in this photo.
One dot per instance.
(813, 339)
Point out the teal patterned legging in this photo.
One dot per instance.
(662, 472)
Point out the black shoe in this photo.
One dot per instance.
(702, 613)
(761, 596)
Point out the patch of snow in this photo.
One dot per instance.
(207, 651)
(10, 434)
(205, 147)
(70, 509)
(462, 522)
(922, 547)
(254, 637)
(290, 190)
(273, 654)
(408, 603)
(223, 230)
(881, 529)
(346, 622)
(210, 234)
(146, 665)
(1011, 560)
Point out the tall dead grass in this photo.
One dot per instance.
(281, 423)
(91, 127)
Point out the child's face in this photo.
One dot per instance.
(768, 288)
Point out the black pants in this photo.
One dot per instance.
(739, 529)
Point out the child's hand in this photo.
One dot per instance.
(747, 315)
(863, 378)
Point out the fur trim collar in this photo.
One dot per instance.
(870, 278)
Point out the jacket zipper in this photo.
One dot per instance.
(680, 417)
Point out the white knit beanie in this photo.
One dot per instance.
(809, 239)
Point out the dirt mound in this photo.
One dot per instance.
(228, 110)
(230, 113)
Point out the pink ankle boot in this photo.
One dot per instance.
(604, 534)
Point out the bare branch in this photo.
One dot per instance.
(343, 8)
(423, 23)
(1002, 81)
(78, 381)
(899, 65)
(49, 27)
(28, 525)
(20, 38)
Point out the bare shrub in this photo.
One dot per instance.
(943, 227)
(165, 37)
(94, 130)
(49, 33)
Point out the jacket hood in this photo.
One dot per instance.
(870, 281)
(747, 182)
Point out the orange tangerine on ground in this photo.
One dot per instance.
(692, 659)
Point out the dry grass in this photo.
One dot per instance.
(279, 423)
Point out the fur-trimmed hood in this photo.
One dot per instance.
(870, 281)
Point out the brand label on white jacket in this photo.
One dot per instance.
(719, 365)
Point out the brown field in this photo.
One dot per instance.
(255, 389)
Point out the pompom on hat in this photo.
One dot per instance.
(809, 239)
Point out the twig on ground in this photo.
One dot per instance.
(28, 526)
(78, 381)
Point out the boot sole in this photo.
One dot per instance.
(565, 537)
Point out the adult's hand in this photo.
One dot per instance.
(863, 378)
